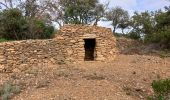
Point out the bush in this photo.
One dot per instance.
(118, 34)
(7, 90)
(131, 35)
(161, 89)
(134, 35)
(13, 25)
(161, 37)
(38, 29)
(121, 35)
(3, 40)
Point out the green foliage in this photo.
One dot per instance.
(162, 37)
(129, 35)
(134, 35)
(3, 40)
(13, 25)
(161, 89)
(80, 11)
(163, 28)
(142, 23)
(49, 31)
(119, 18)
(39, 30)
(7, 90)
(118, 34)
(154, 26)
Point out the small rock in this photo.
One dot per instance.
(141, 97)
(73, 41)
(16, 70)
(1, 68)
(134, 72)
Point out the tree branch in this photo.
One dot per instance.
(4, 5)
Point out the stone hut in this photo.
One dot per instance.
(73, 43)
(89, 43)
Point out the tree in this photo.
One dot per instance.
(99, 12)
(41, 9)
(27, 19)
(153, 26)
(3, 5)
(119, 18)
(81, 11)
(6, 3)
(143, 23)
(124, 22)
(13, 25)
(162, 34)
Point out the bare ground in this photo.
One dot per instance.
(129, 77)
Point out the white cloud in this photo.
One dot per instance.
(138, 5)
(153, 4)
(135, 5)
(126, 4)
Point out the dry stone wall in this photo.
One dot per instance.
(67, 46)
(20, 55)
(75, 34)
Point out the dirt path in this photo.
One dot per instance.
(127, 78)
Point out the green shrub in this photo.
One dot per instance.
(7, 90)
(42, 30)
(161, 37)
(131, 35)
(3, 40)
(13, 25)
(134, 35)
(161, 89)
(118, 34)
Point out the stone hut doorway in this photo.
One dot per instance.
(89, 47)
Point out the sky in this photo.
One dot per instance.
(135, 5)
(138, 5)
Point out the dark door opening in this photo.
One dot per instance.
(89, 49)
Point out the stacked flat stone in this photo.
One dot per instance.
(74, 35)
(67, 46)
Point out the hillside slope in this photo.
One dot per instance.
(128, 77)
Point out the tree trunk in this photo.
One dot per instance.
(114, 29)
(123, 31)
(96, 21)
